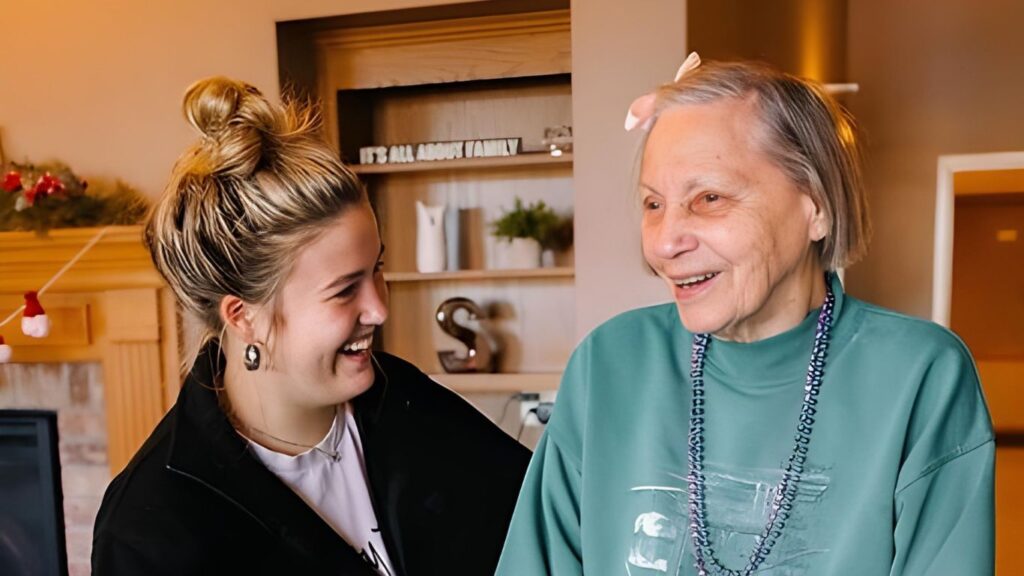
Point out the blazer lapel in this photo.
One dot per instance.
(206, 448)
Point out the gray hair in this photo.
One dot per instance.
(807, 134)
(258, 185)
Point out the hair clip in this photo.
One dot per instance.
(641, 111)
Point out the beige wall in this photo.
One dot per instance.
(99, 84)
(803, 37)
(938, 77)
(620, 50)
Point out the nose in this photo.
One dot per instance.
(671, 235)
(375, 303)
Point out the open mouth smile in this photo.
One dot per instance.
(692, 281)
(358, 346)
(688, 287)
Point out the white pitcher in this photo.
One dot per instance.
(429, 238)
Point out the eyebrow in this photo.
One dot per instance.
(691, 184)
(341, 280)
(649, 188)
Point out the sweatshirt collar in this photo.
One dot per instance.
(779, 359)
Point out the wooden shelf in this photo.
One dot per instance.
(461, 275)
(499, 383)
(440, 81)
(530, 159)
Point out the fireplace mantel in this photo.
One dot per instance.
(112, 307)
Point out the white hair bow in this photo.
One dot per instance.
(641, 111)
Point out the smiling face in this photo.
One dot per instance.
(329, 305)
(725, 227)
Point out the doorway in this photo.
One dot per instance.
(979, 294)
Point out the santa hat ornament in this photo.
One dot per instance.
(5, 351)
(34, 321)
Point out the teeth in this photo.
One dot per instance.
(694, 279)
(358, 345)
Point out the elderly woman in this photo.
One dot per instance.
(294, 448)
(764, 422)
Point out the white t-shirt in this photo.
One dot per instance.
(336, 488)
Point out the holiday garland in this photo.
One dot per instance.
(34, 321)
(44, 196)
(39, 197)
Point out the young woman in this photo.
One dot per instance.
(294, 448)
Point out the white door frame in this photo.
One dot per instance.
(942, 275)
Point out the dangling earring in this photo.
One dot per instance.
(252, 357)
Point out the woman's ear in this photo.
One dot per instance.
(237, 316)
(819, 223)
(819, 227)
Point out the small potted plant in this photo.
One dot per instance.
(556, 234)
(526, 230)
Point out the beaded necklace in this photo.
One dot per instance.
(782, 501)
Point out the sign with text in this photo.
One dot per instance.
(433, 151)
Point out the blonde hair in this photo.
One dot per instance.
(807, 133)
(258, 185)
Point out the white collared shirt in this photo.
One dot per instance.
(336, 488)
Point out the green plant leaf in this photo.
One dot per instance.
(537, 221)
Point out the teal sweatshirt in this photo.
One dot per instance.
(898, 480)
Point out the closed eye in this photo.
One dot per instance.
(348, 291)
(351, 290)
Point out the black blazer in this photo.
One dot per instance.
(443, 481)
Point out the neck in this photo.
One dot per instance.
(257, 408)
(786, 307)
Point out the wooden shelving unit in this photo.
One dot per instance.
(499, 383)
(438, 81)
(474, 275)
(525, 160)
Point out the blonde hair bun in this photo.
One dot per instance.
(236, 122)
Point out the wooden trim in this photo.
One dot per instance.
(119, 260)
(73, 331)
(132, 371)
(530, 159)
(457, 50)
(445, 30)
(467, 275)
(170, 355)
(477, 383)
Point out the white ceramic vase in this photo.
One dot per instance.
(430, 249)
